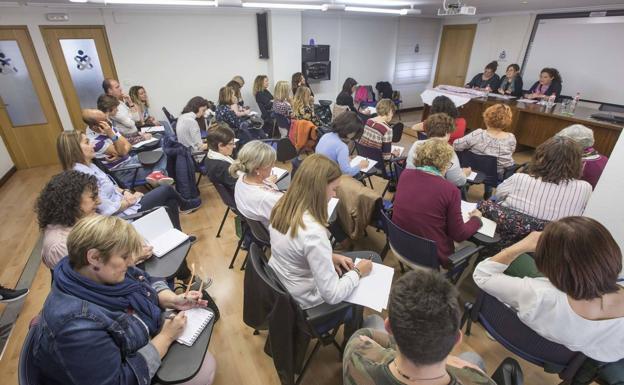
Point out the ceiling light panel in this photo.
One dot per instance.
(378, 3)
(284, 6)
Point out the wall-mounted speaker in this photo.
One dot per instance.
(263, 38)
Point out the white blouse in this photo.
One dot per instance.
(546, 310)
(255, 202)
(304, 265)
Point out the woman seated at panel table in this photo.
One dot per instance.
(102, 322)
(578, 301)
(551, 188)
(548, 84)
(301, 253)
(255, 192)
(427, 205)
(511, 84)
(486, 79)
(593, 162)
(68, 197)
(333, 145)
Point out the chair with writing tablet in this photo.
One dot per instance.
(418, 252)
(227, 197)
(112, 173)
(382, 169)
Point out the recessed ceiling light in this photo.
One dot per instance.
(524, 2)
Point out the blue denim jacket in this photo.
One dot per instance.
(78, 342)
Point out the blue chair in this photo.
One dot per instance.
(485, 164)
(418, 252)
(506, 328)
(112, 174)
(172, 119)
(227, 197)
(383, 168)
(27, 372)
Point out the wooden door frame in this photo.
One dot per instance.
(46, 89)
(109, 54)
(472, 27)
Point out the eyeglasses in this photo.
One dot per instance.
(232, 143)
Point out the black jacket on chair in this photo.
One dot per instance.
(218, 171)
(181, 167)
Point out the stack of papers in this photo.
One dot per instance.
(151, 129)
(488, 227)
(355, 162)
(158, 231)
(144, 142)
(400, 149)
(527, 100)
(373, 291)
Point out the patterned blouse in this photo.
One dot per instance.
(225, 114)
(282, 108)
(480, 142)
(308, 114)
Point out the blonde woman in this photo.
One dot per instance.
(282, 98)
(141, 101)
(303, 106)
(263, 96)
(255, 191)
(377, 131)
(301, 253)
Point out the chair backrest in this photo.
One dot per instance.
(282, 121)
(503, 324)
(260, 266)
(337, 110)
(98, 163)
(484, 163)
(398, 169)
(285, 150)
(172, 119)
(27, 372)
(397, 132)
(611, 108)
(259, 232)
(413, 249)
(374, 154)
(226, 195)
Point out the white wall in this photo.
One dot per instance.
(284, 45)
(605, 203)
(6, 163)
(502, 33)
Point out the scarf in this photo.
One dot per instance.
(430, 170)
(134, 293)
(219, 156)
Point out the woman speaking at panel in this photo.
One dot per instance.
(511, 83)
(548, 84)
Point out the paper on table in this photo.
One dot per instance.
(373, 290)
(153, 129)
(527, 100)
(278, 172)
(472, 176)
(399, 148)
(371, 110)
(355, 162)
(488, 227)
(144, 142)
(158, 231)
(331, 206)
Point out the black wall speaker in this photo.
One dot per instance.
(263, 38)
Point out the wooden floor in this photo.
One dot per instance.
(239, 354)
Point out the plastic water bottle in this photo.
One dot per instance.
(575, 102)
(551, 101)
(487, 91)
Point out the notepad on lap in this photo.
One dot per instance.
(144, 142)
(153, 129)
(196, 321)
(399, 149)
(488, 226)
(158, 231)
(472, 176)
(373, 290)
(279, 173)
(355, 162)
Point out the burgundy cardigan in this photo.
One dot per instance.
(430, 206)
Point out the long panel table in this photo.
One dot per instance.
(533, 124)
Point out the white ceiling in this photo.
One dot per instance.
(428, 7)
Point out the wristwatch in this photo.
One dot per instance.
(359, 273)
(115, 137)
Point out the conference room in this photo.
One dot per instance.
(311, 192)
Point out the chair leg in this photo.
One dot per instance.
(238, 246)
(370, 181)
(402, 267)
(384, 251)
(385, 189)
(227, 210)
(307, 362)
(198, 180)
(244, 265)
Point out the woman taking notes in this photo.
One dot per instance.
(486, 79)
(511, 83)
(102, 321)
(301, 253)
(548, 84)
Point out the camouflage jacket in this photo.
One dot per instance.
(369, 352)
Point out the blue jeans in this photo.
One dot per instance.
(127, 176)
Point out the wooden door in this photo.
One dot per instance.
(81, 58)
(454, 54)
(29, 123)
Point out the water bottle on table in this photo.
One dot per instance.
(551, 101)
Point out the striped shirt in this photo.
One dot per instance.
(544, 200)
(480, 142)
(378, 135)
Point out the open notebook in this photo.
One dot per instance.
(355, 162)
(144, 142)
(488, 226)
(196, 321)
(158, 231)
(280, 173)
(373, 290)
(151, 129)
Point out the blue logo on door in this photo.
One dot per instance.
(6, 68)
(83, 61)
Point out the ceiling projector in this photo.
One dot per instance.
(456, 8)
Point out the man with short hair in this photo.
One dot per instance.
(424, 319)
(127, 114)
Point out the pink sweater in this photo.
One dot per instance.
(54, 244)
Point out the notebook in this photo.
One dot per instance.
(158, 231)
(153, 129)
(196, 321)
(144, 142)
(279, 173)
(472, 176)
(399, 148)
(373, 290)
(355, 162)
(331, 206)
(488, 226)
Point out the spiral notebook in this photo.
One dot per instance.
(196, 321)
